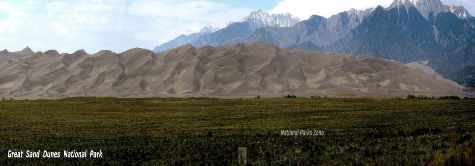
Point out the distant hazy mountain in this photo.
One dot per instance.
(184, 39)
(240, 70)
(233, 33)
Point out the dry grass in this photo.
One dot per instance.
(209, 131)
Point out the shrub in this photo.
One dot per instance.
(412, 97)
(291, 97)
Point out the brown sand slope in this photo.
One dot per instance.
(241, 70)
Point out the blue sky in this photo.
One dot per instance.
(69, 25)
(252, 4)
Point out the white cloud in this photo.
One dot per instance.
(172, 18)
(306, 8)
(179, 10)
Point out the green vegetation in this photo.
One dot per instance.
(210, 131)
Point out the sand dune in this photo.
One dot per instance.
(240, 70)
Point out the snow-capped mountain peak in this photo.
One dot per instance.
(460, 11)
(208, 29)
(426, 7)
(263, 19)
(407, 3)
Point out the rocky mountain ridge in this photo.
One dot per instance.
(434, 7)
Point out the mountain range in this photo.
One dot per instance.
(230, 71)
(406, 31)
(431, 7)
(233, 33)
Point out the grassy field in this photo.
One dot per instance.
(210, 131)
